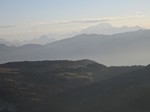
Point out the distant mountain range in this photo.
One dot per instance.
(42, 40)
(108, 29)
(73, 86)
(118, 49)
(103, 28)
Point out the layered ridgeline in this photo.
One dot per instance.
(73, 86)
(118, 49)
(103, 28)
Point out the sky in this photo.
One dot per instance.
(27, 19)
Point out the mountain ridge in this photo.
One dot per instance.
(103, 28)
(123, 46)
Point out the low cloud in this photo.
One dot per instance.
(94, 20)
(82, 21)
(7, 26)
(90, 21)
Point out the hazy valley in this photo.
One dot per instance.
(116, 49)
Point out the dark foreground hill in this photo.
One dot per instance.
(73, 86)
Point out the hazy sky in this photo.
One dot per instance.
(20, 19)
